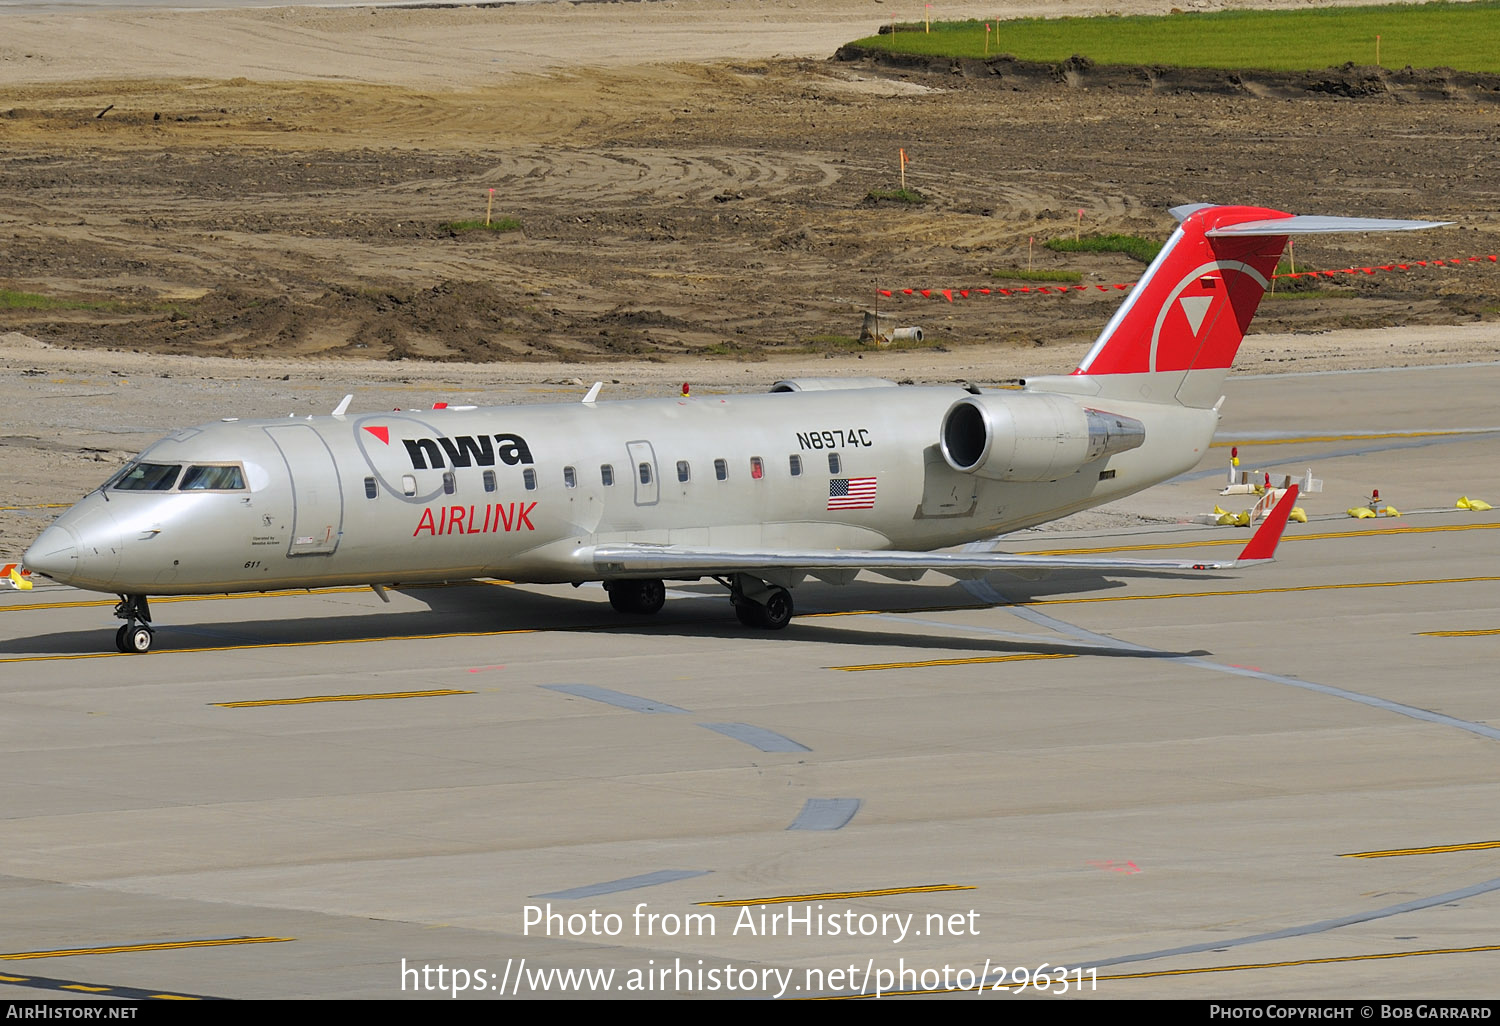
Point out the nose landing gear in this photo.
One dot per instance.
(135, 635)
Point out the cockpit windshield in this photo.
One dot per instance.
(147, 477)
(162, 477)
(219, 479)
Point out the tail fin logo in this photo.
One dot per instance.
(1204, 337)
(1196, 308)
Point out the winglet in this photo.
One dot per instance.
(1263, 545)
(17, 581)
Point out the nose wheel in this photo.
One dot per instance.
(135, 634)
(135, 639)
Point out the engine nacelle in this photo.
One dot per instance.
(1027, 437)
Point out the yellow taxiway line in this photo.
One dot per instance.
(956, 662)
(114, 949)
(1318, 536)
(1373, 436)
(784, 899)
(1198, 970)
(1432, 850)
(257, 703)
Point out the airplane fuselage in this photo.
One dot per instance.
(527, 492)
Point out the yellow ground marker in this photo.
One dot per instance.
(956, 662)
(337, 698)
(113, 949)
(1433, 850)
(1460, 634)
(785, 899)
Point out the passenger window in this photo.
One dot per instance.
(757, 468)
(645, 473)
(795, 463)
(216, 479)
(528, 478)
(683, 471)
(570, 477)
(489, 480)
(834, 463)
(607, 475)
(408, 485)
(450, 483)
(371, 490)
(721, 470)
(148, 477)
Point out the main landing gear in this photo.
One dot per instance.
(645, 597)
(756, 603)
(135, 635)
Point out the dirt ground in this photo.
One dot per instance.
(692, 182)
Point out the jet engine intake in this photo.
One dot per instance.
(1031, 437)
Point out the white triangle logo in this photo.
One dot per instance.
(1196, 308)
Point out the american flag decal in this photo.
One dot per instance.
(851, 493)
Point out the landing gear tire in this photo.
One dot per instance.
(135, 639)
(776, 613)
(772, 615)
(135, 634)
(140, 639)
(642, 597)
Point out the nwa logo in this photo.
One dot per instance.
(461, 450)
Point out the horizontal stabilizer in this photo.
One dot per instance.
(1319, 224)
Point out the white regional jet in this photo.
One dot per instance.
(820, 478)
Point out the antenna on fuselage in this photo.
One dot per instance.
(343, 407)
(593, 393)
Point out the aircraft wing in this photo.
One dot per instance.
(641, 560)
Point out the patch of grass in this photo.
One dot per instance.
(13, 300)
(1022, 274)
(896, 195)
(1133, 246)
(497, 224)
(1465, 36)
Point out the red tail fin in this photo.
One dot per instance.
(1176, 336)
(1186, 317)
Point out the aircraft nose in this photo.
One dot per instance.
(54, 554)
(81, 548)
